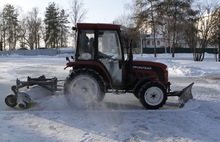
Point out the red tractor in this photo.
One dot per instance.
(100, 66)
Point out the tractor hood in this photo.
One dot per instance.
(148, 68)
(148, 65)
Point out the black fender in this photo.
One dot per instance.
(92, 65)
(140, 83)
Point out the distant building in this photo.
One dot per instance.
(148, 41)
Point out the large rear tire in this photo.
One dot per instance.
(153, 95)
(85, 84)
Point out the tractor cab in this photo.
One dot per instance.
(93, 44)
(101, 44)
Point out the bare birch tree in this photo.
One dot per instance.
(29, 30)
(77, 15)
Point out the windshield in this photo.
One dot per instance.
(109, 44)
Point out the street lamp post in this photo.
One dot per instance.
(141, 43)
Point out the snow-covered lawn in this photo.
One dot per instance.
(118, 117)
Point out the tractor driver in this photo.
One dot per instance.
(86, 50)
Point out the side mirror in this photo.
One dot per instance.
(74, 28)
(67, 59)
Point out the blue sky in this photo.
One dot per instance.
(98, 10)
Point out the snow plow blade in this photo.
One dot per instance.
(184, 95)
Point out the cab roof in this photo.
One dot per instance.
(97, 26)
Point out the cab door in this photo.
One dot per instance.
(110, 54)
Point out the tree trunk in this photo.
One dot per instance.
(154, 31)
(174, 39)
(219, 45)
(219, 37)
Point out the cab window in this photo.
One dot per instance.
(86, 44)
(109, 44)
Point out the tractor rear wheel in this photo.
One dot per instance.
(153, 95)
(86, 85)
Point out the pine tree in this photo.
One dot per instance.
(52, 25)
(9, 25)
(63, 34)
(56, 27)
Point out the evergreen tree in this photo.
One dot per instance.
(56, 27)
(52, 25)
(63, 34)
(9, 26)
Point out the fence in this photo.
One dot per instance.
(50, 52)
(177, 50)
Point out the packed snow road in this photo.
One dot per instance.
(118, 117)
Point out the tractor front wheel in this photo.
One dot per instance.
(153, 95)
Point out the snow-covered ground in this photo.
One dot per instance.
(118, 117)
